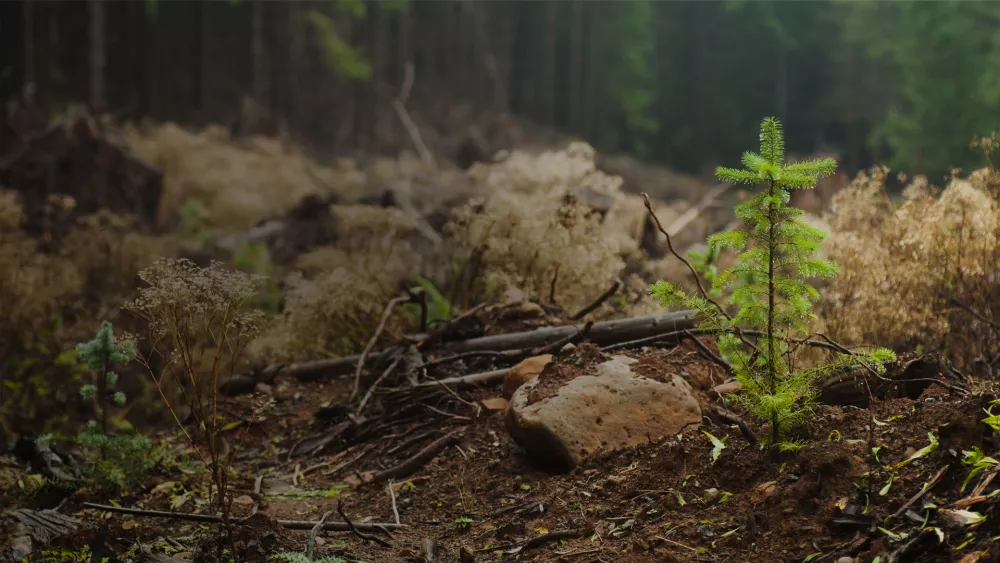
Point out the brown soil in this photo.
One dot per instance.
(664, 501)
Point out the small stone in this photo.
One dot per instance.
(616, 480)
(845, 559)
(567, 348)
(243, 500)
(711, 494)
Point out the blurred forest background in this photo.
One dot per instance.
(677, 83)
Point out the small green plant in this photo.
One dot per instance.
(773, 301)
(978, 461)
(463, 521)
(122, 459)
(194, 221)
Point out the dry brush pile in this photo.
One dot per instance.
(920, 272)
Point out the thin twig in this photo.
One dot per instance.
(597, 302)
(290, 524)
(312, 535)
(670, 247)
(471, 354)
(710, 354)
(559, 344)
(356, 531)
(368, 394)
(543, 539)
(418, 460)
(453, 393)
(694, 274)
(448, 414)
(392, 495)
(923, 491)
(371, 342)
(974, 313)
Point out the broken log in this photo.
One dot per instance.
(602, 333)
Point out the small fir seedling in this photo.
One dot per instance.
(100, 355)
(768, 288)
(122, 459)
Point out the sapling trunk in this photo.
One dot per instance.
(772, 372)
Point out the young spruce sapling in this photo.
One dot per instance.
(768, 288)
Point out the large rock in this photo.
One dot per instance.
(591, 414)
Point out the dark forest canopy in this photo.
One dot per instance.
(906, 83)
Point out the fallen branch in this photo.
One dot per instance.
(602, 333)
(512, 354)
(418, 460)
(354, 530)
(371, 342)
(289, 524)
(597, 302)
(621, 332)
(558, 535)
(731, 418)
(483, 379)
(368, 395)
(923, 491)
(605, 333)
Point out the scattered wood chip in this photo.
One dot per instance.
(495, 404)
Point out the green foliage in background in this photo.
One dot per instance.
(780, 252)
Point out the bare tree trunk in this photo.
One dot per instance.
(592, 16)
(97, 55)
(549, 75)
(204, 62)
(259, 67)
(575, 90)
(28, 23)
(296, 57)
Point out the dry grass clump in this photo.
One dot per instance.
(237, 184)
(34, 287)
(108, 253)
(908, 271)
(529, 234)
(333, 303)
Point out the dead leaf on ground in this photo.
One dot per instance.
(762, 491)
(495, 403)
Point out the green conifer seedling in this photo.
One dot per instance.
(122, 458)
(773, 301)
